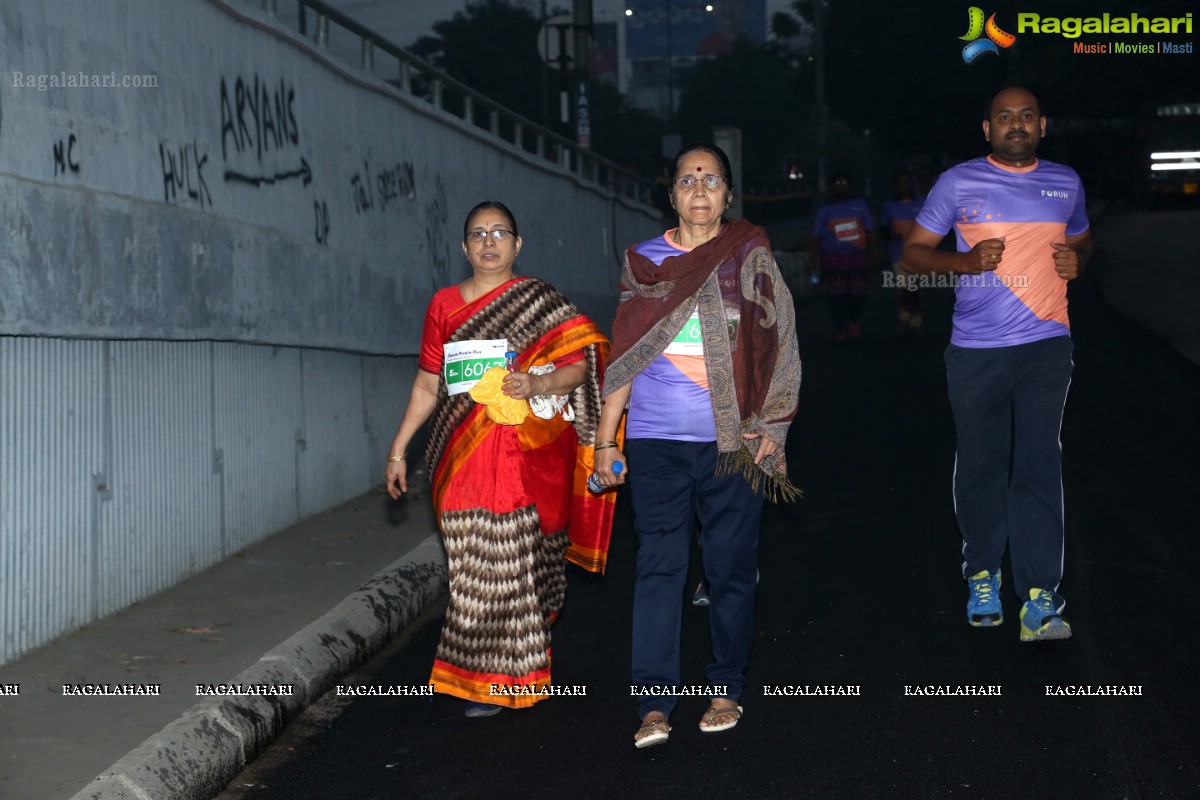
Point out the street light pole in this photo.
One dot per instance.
(670, 75)
(819, 109)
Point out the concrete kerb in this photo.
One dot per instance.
(196, 756)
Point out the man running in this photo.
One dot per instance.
(1022, 233)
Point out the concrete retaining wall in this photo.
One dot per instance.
(216, 245)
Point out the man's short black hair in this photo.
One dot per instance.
(987, 107)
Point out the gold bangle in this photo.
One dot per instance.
(607, 444)
(400, 457)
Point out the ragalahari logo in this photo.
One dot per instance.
(976, 27)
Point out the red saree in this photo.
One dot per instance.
(512, 501)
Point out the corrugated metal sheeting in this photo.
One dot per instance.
(387, 384)
(126, 467)
(258, 405)
(157, 528)
(52, 454)
(334, 436)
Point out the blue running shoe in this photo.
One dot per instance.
(983, 600)
(1041, 617)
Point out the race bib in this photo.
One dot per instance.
(689, 341)
(464, 363)
(849, 231)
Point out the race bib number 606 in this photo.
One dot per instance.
(465, 362)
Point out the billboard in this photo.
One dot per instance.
(685, 29)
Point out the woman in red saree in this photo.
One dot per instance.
(511, 500)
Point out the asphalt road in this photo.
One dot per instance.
(860, 587)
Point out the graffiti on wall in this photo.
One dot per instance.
(383, 188)
(261, 147)
(321, 221)
(437, 238)
(303, 172)
(64, 156)
(258, 118)
(396, 183)
(260, 139)
(183, 174)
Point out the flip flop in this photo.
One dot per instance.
(719, 711)
(662, 732)
(477, 710)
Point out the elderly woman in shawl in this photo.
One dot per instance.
(705, 358)
(508, 488)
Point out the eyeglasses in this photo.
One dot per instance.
(498, 235)
(686, 182)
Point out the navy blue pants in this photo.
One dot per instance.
(1008, 406)
(672, 485)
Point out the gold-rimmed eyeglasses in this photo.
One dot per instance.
(498, 235)
(710, 182)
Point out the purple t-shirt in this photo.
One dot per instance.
(897, 218)
(842, 227)
(669, 399)
(1023, 300)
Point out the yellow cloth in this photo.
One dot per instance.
(501, 408)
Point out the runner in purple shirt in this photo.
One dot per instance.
(896, 221)
(843, 247)
(1022, 233)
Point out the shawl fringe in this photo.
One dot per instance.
(773, 486)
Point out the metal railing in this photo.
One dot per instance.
(415, 77)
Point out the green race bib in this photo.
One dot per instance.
(689, 341)
(464, 363)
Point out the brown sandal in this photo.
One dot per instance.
(730, 714)
(654, 730)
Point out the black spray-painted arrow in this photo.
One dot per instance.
(304, 172)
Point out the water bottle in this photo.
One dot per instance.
(510, 361)
(596, 486)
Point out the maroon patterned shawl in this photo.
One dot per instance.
(748, 326)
